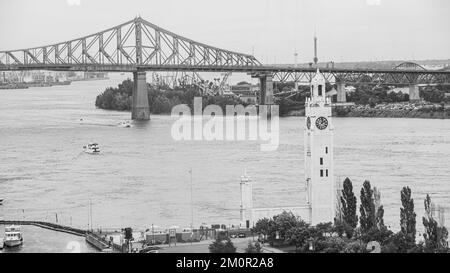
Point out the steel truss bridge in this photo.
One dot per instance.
(138, 46)
(134, 45)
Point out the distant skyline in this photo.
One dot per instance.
(350, 30)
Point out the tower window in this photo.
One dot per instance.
(320, 90)
(321, 173)
(326, 150)
(327, 173)
(321, 161)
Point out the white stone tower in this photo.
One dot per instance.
(246, 201)
(319, 167)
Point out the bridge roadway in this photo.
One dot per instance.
(281, 73)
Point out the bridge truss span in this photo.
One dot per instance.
(365, 76)
(127, 47)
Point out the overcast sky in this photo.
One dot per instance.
(348, 30)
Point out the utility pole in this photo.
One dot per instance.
(90, 211)
(89, 218)
(192, 203)
(153, 235)
(316, 59)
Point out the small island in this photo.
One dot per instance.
(366, 101)
(161, 99)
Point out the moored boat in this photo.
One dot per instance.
(13, 236)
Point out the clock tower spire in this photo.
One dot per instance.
(319, 165)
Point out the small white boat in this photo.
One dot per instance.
(92, 148)
(125, 124)
(13, 236)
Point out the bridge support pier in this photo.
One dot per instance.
(414, 94)
(140, 109)
(266, 83)
(341, 94)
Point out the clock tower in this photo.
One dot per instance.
(319, 167)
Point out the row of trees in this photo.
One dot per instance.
(435, 94)
(161, 100)
(368, 95)
(351, 233)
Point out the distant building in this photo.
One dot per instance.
(404, 90)
(434, 66)
(249, 99)
(248, 93)
(244, 88)
(95, 75)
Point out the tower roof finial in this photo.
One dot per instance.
(316, 59)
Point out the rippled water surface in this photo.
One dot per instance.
(142, 176)
(39, 240)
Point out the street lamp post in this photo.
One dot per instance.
(153, 235)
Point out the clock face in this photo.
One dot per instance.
(308, 123)
(322, 123)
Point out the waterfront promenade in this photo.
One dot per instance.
(100, 240)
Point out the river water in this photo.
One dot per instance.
(142, 176)
(39, 240)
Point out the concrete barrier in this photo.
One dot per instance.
(46, 225)
(98, 242)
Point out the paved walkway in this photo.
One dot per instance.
(203, 247)
(269, 249)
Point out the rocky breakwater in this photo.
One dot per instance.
(396, 110)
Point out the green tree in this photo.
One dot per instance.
(299, 236)
(340, 228)
(408, 216)
(282, 223)
(433, 94)
(348, 201)
(253, 247)
(355, 246)
(262, 227)
(161, 105)
(382, 235)
(367, 217)
(380, 218)
(379, 209)
(222, 246)
(332, 245)
(435, 236)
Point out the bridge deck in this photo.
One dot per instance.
(210, 68)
